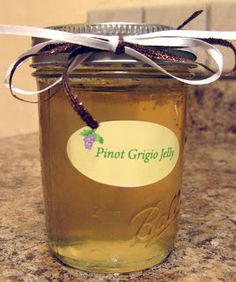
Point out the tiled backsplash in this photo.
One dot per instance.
(175, 15)
(217, 15)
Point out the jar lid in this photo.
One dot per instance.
(108, 29)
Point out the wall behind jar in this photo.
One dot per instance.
(17, 117)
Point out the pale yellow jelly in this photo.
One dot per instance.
(95, 226)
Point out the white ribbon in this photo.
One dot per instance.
(167, 38)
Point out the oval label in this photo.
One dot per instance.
(124, 153)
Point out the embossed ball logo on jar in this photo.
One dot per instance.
(124, 153)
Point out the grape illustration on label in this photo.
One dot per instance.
(90, 136)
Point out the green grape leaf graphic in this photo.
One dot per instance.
(99, 138)
(87, 132)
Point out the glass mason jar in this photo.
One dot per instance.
(112, 195)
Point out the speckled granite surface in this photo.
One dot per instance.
(205, 248)
(205, 245)
(212, 111)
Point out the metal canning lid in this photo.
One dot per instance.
(107, 29)
(112, 28)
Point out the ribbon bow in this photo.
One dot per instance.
(145, 47)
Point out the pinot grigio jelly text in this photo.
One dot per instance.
(134, 154)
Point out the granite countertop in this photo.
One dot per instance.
(205, 245)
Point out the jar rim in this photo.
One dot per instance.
(109, 29)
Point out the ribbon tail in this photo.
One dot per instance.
(19, 61)
(213, 51)
(12, 72)
(224, 43)
(189, 19)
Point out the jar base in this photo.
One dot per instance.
(107, 266)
